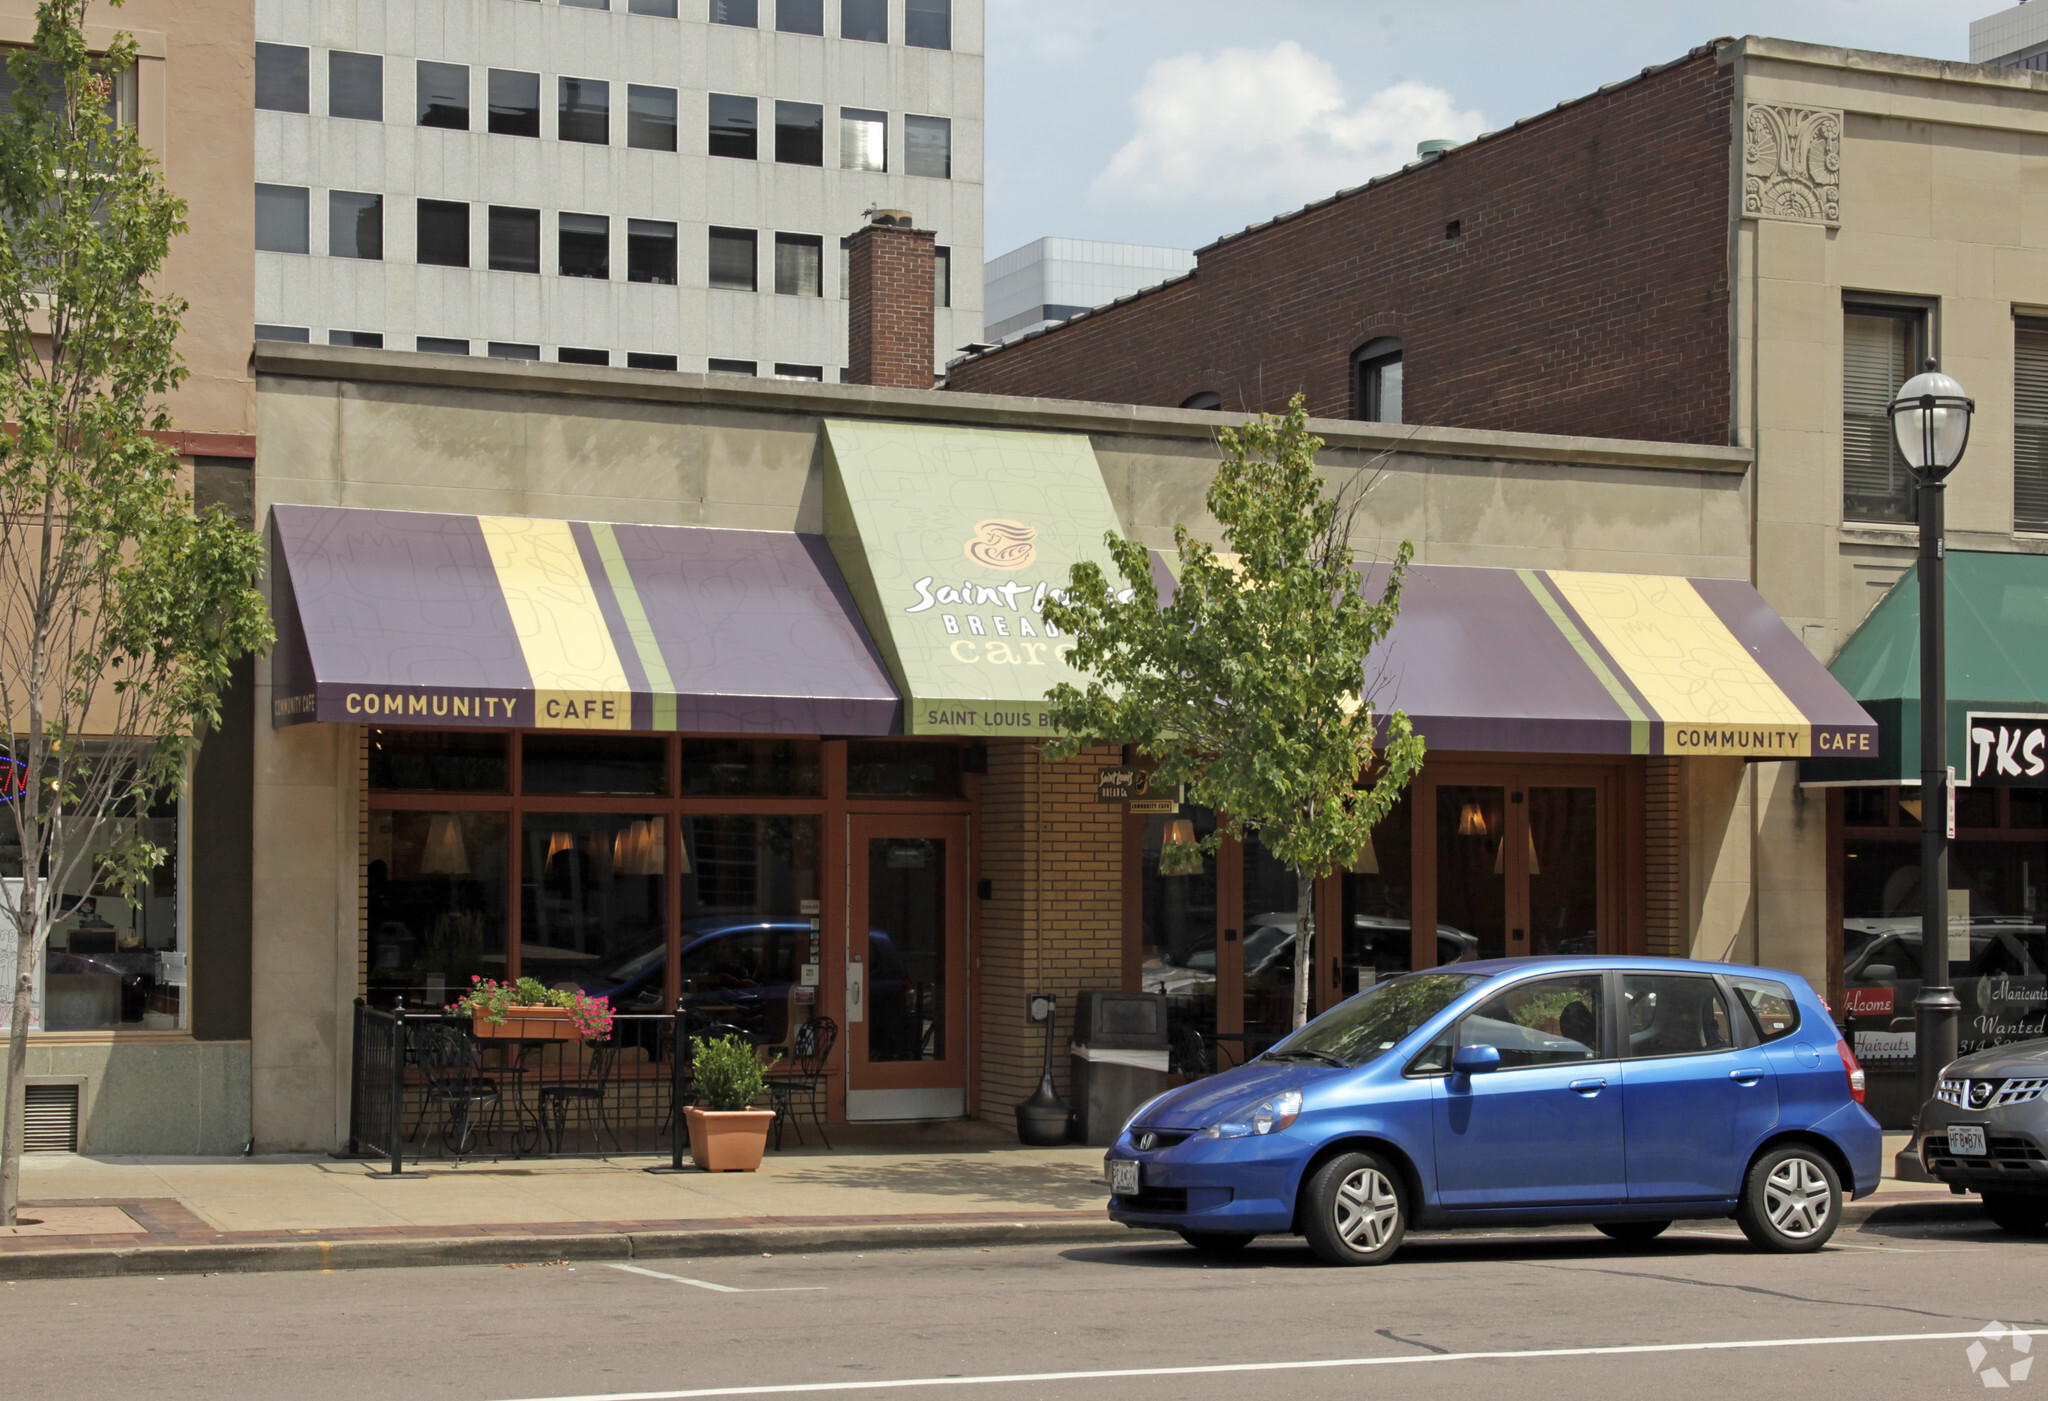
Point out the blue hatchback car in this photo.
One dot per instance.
(1626, 1093)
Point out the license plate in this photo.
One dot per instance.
(1964, 1140)
(1123, 1176)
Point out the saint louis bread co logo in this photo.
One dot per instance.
(1001, 544)
(2007, 1367)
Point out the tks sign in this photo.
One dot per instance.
(2008, 751)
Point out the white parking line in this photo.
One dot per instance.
(715, 1288)
(1395, 1360)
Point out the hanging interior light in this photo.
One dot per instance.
(444, 853)
(1500, 855)
(559, 842)
(1180, 831)
(1367, 861)
(1471, 821)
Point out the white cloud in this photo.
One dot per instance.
(1269, 128)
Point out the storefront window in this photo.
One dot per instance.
(750, 920)
(435, 898)
(637, 766)
(759, 768)
(1270, 925)
(902, 769)
(1471, 881)
(437, 761)
(1377, 921)
(1178, 942)
(592, 902)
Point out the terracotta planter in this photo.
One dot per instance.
(530, 1024)
(728, 1141)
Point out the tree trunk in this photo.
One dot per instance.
(1304, 941)
(16, 1119)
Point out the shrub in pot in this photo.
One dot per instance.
(729, 1134)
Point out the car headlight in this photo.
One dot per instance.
(1138, 1113)
(1269, 1115)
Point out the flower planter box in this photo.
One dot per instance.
(530, 1024)
(728, 1141)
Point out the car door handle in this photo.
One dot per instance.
(1588, 1088)
(1746, 1077)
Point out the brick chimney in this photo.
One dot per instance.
(891, 331)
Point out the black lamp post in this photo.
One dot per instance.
(1931, 421)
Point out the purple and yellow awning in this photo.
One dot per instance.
(1568, 662)
(401, 617)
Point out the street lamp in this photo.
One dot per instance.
(1931, 420)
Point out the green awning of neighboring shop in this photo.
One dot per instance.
(1997, 662)
(950, 540)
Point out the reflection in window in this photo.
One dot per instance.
(515, 102)
(650, 118)
(800, 16)
(281, 218)
(928, 147)
(735, 127)
(896, 768)
(515, 239)
(741, 12)
(1177, 945)
(773, 768)
(584, 245)
(116, 959)
(907, 969)
(592, 897)
(751, 887)
(799, 265)
(443, 95)
(928, 24)
(355, 86)
(585, 111)
(355, 225)
(1376, 381)
(799, 133)
(594, 764)
(863, 139)
(651, 252)
(1376, 935)
(1553, 1021)
(435, 903)
(732, 259)
(1671, 1014)
(1270, 925)
(866, 20)
(281, 77)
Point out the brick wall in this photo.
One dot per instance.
(890, 326)
(1586, 292)
(1054, 857)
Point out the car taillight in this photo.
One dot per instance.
(1854, 1069)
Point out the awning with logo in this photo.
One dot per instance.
(1997, 655)
(951, 538)
(1569, 662)
(402, 617)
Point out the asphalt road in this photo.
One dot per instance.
(1696, 1313)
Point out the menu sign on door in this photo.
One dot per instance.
(2007, 751)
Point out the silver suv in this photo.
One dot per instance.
(1986, 1131)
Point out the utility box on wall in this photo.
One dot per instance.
(1119, 1058)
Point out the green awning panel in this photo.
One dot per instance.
(951, 539)
(1997, 661)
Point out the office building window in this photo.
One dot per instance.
(2030, 427)
(928, 24)
(515, 103)
(735, 367)
(569, 355)
(586, 245)
(585, 111)
(443, 229)
(845, 269)
(799, 133)
(440, 345)
(928, 147)
(661, 9)
(866, 20)
(297, 335)
(281, 77)
(942, 276)
(588, 4)
(357, 340)
(355, 86)
(1376, 381)
(732, 260)
(281, 218)
(800, 16)
(863, 139)
(745, 13)
(1881, 348)
(799, 265)
(1207, 400)
(642, 360)
(443, 90)
(512, 350)
(735, 127)
(515, 239)
(650, 118)
(355, 225)
(813, 373)
(651, 252)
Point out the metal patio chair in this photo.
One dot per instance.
(585, 1094)
(802, 1088)
(457, 1089)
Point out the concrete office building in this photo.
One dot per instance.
(1050, 279)
(2014, 38)
(653, 184)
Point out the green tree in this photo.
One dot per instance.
(1249, 686)
(121, 609)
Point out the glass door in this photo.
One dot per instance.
(906, 974)
(1473, 847)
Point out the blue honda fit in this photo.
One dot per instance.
(1627, 1093)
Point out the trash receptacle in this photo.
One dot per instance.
(1119, 1059)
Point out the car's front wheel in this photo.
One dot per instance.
(1634, 1232)
(1216, 1242)
(1791, 1200)
(2013, 1212)
(1354, 1211)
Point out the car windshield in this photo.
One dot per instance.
(1375, 1021)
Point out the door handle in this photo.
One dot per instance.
(1746, 1076)
(1589, 1088)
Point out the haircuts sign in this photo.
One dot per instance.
(2007, 751)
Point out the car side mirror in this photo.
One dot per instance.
(1475, 1060)
(1880, 973)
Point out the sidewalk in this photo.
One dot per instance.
(954, 1184)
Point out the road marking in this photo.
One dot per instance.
(715, 1288)
(1224, 1368)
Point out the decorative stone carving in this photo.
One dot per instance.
(1792, 164)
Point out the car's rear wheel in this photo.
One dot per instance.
(1634, 1232)
(1354, 1210)
(1791, 1200)
(1216, 1242)
(2013, 1212)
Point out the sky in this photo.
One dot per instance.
(1175, 121)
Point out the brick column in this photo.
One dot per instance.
(891, 331)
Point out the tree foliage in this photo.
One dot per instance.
(1249, 685)
(121, 609)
